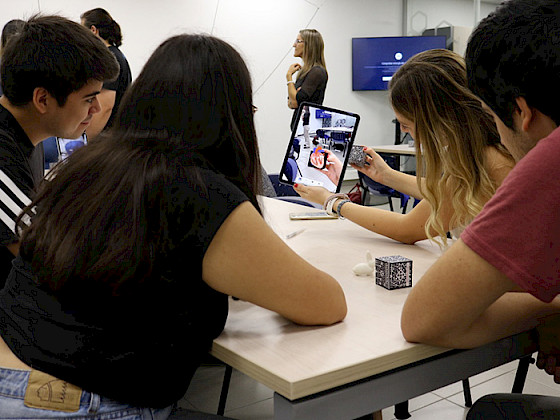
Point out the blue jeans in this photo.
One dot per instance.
(13, 383)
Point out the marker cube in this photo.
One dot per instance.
(393, 272)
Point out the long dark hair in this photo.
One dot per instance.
(108, 28)
(104, 216)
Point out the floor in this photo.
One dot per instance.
(249, 400)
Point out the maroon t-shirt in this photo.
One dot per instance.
(518, 231)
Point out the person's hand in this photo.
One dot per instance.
(291, 70)
(334, 167)
(375, 166)
(315, 194)
(548, 357)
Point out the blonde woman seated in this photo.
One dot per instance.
(463, 160)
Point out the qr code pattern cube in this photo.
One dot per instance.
(393, 272)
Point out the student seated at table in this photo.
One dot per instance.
(463, 161)
(503, 275)
(124, 273)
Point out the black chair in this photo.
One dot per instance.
(51, 152)
(292, 169)
(401, 409)
(371, 187)
(339, 138)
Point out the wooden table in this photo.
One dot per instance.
(395, 149)
(361, 364)
(398, 151)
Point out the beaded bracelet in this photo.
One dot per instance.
(339, 207)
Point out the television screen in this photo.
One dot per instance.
(375, 60)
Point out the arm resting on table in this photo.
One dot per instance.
(248, 260)
(462, 301)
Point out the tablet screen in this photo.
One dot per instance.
(319, 147)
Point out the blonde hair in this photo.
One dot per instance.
(452, 136)
(313, 51)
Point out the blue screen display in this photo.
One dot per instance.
(375, 60)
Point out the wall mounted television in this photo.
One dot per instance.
(375, 60)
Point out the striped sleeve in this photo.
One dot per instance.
(12, 201)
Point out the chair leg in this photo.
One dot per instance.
(521, 374)
(405, 205)
(401, 410)
(391, 203)
(225, 389)
(467, 392)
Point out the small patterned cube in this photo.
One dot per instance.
(393, 272)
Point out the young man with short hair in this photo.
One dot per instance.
(51, 74)
(503, 276)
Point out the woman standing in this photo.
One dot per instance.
(311, 81)
(100, 22)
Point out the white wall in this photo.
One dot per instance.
(264, 31)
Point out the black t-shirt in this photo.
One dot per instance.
(21, 169)
(313, 86)
(143, 346)
(120, 84)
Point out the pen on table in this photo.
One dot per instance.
(297, 232)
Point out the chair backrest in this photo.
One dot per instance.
(369, 185)
(282, 190)
(291, 169)
(287, 193)
(338, 136)
(51, 151)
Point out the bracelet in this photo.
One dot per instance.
(329, 202)
(339, 207)
(291, 81)
(329, 207)
(332, 197)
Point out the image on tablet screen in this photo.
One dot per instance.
(319, 147)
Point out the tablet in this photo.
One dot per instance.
(319, 147)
